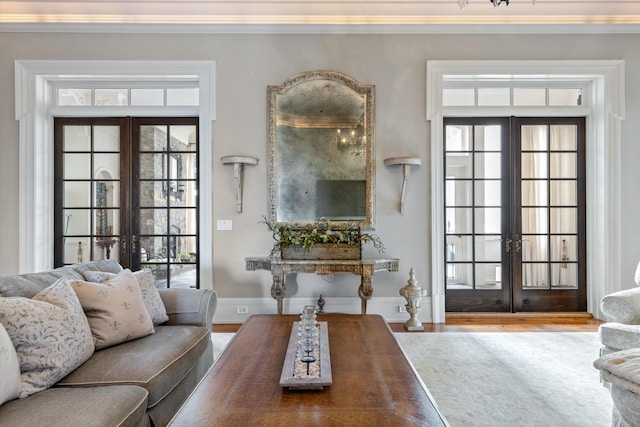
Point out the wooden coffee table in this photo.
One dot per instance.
(373, 382)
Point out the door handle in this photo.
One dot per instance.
(123, 244)
(507, 244)
(518, 243)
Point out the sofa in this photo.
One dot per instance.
(138, 379)
(619, 361)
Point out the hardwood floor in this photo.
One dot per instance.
(492, 322)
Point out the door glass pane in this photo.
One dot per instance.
(534, 193)
(563, 165)
(459, 165)
(564, 276)
(459, 275)
(153, 138)
(153, 221)
(488, 193)
(458, 192)
(564, 248)
(153, 193)
(534, 275)
(77, 194)
(488, 248)
(487, 165)
(77, 222)
(153, 166)
(108, 162)
(563, 193)
(534, 248)
(564, 137)
(77, 138)
(534, 165)
(534, 220)
(564, 220)
(76, 250)
(185, 136)
(534, 138)
(77, 166)
(458, 138)
(155, 247)
(182, 221)
(488, 276)
(106, 138)
(458, 220)
(488, 221)
(488, 138)
(459, 248)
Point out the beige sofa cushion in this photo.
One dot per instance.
(150, 295)
(9, 368)
(121, 405)
(175, 352)
(50, 333)
(115, 309)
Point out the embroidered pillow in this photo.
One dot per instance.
(9, 368)
(50, 334)
(150, 295)
(115, 310)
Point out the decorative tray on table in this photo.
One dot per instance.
(307, 364)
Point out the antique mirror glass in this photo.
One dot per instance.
(321, 150)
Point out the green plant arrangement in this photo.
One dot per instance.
(320, 232)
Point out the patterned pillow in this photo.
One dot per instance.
(115, 310)
(50, 334)
(150, 295)
(9, 368)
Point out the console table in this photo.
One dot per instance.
(365, 268)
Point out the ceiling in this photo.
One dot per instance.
(322, 16)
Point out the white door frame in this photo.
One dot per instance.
(604, 107)
(35, 108)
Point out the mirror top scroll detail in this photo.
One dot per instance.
(321, 150)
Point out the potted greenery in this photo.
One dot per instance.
(321, 240)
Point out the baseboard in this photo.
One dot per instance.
(231, 310)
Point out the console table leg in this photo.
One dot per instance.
(278, 290)
(365, 292)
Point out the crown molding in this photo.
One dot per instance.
(407, 28)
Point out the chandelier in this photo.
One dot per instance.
(463, 3)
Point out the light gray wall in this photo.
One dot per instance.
(246, 64)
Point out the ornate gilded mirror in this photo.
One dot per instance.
(321, 150)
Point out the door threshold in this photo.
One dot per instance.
(484, 314)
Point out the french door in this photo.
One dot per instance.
(126, 189)
(515, 214)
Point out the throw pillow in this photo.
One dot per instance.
(150, 295)
(115, 310)
(50, 334)
(9, 368)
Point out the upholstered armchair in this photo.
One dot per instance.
(622, 309)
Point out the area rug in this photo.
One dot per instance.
(502, 379)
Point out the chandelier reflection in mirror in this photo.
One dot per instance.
(352, 140)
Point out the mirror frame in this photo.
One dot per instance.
(368, 91)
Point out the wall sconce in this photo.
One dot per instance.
(238, 163)
(406, 163)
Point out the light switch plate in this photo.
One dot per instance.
(225, 224)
